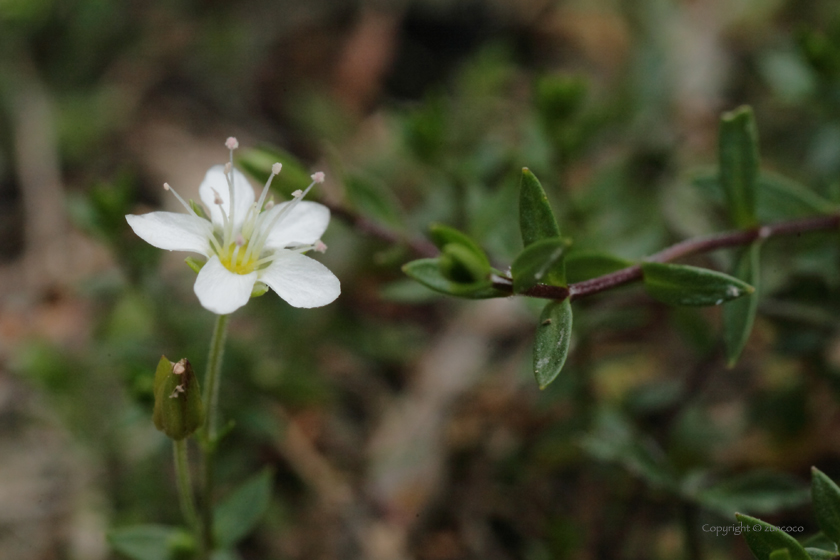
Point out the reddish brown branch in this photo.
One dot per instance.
(421, 247)
(682, 249)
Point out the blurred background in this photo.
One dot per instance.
(397, 423)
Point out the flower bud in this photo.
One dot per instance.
(179, 411)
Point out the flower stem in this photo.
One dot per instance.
(211, 430)
(185, 490)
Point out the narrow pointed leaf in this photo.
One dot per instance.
(677, 284)
(764, 539)
(820, 554)
(540, 263)
(237, 515)
(826, 496)
(150, 542)
(444, 235)
(552, 342)
(585, 265)
(782, 197)
(739, 315)
(461, 264)
(428, 273)
(739, 160)
(536, 220)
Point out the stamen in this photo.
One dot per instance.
(270, 204)
(232, 143)
(239, 242)
(318, 177)
(166, 187)
(226, 230)
(178, 368)
(275, 170)
(298, 194)
(262, 232)
(320, 247)
(178, 389)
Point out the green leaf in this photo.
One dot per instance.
(739, 160)
(783, 197)
(444, 235)
(552, 342)
(758, 492)
(779, 197)
(820, 554)
(374, 200)
(739, 315)
(826, 497)
(428, 273)
(460, 264)
(764, 539)
(677, 284)
(616, 440)
(151, 542)
(536, 220)
(540, 263)
(582, 265)
(236, 516)
(781, 554)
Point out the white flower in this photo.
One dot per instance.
(247, 241)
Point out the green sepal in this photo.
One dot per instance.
(461, 264)
(551, 346)
(178, 411)
(739, 161)
(540, 263)
(195, 264)
(198, 209)
(582, 265)
(536, 220)
(764, 539)
(428, 273)
(739, 315)
(826, 498)
(677, 284)
(259, 289)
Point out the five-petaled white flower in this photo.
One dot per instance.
(247, 241)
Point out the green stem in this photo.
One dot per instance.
(211, 379)
(185, 490)
(211, 430)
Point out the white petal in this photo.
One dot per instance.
(221, 291)
(243, 194)
(173, 231)
(304, 224)
(301, 281)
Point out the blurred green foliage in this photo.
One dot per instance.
(644, 437)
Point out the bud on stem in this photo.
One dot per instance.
(179, 411)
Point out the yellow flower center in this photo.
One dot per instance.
(233, 257)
